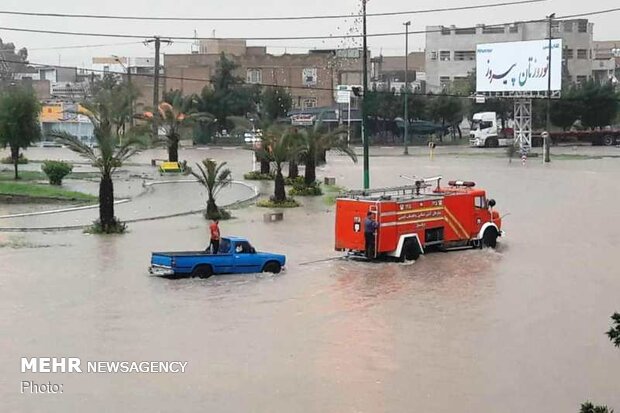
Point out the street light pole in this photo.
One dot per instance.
(547, 142)
(364, 91)
(406, 116)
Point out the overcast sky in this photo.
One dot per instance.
(41, 46)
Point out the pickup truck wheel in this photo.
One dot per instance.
(411, 251)
(272, 267)
(608, 140)
(202, 271)
(491, 143)
(489, 238)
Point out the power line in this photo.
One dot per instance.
(278, 18)
(86, 46)
(333, 37)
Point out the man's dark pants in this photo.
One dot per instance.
(370, 244)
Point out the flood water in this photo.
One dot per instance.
(513, 330)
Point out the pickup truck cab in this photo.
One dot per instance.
(235, 256)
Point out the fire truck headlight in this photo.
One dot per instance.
(492, 203)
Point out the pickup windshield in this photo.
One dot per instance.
(224, 246)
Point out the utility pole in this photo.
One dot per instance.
(406, 116)
(157, 40)
(364, 91)
(547, 142)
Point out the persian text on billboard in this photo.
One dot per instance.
(518, 66)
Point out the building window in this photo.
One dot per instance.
(569, 54)
(514, 28)
(582, 53)
(582, 79)
(433, 55)
(445, 30)
(555, 25)
(309, 76)
(444, 55)
(254, 76)
(106, 69)
(466, 30)
(493, 30)
(582, 26)
(308, 103)
(568, 26)
(465, 55)
(444, 81)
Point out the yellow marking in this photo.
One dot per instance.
(463, 233)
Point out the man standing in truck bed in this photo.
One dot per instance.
(370, 226)
(215, 236)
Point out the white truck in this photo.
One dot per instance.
(486, 131)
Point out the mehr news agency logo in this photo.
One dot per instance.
(74, 365)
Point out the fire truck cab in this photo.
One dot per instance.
(415, 217)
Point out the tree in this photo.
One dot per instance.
(175, 114)
(600, 104)
(19, 121)
(279, 146)
(565, 111)
(103, 111)
(228, 95)
(448, 110)
(316, 141)
(614, 332)
(276, 102)
(214, 177)
(590, 408)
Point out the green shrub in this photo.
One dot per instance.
(271, 203)
(300, 189)
(21, 160)
(56, 171)
(221, 215)
(257, 176)
(294, 181)
(117, 227)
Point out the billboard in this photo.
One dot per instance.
(518, 66)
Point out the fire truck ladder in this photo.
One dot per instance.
(408, 191)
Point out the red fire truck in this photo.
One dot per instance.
(412, 218)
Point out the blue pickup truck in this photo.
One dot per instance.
(235, 256)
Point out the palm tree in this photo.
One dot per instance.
(317, 142)
(173, 115)
(278, 147)
(214, 177)
(102, 111)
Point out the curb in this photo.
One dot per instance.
(236, 204)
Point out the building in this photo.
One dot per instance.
(388, 72)
(607, 60)
(451, 51)
(63, 116)
(311, 77)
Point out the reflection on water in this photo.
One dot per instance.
(521, 327)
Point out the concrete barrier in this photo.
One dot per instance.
(273, 216)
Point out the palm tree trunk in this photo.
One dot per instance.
(173, 150)
(212, 210)
(280, 191)
(15, 157)
(106, 202)
(310, 173)
(293, 169)
(264, 167)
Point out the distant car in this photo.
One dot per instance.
(235, 256)
(253, 136)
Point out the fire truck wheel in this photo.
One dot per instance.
(489, 238)
(411, 251)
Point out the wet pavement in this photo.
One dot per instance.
(517, 329)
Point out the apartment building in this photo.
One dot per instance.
(310, 77)
(451, 51)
